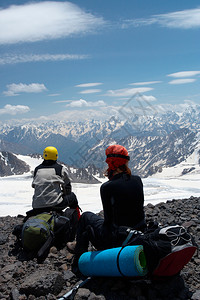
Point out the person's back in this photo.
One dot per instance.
(125, 208)
(47, 183)
(52, 186)
(122, 199)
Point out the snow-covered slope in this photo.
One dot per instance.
(10, 164)
(32, 162)
(188, 168)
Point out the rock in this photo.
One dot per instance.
(82, 293)
(96, 297)
(3, 239)
(188, 224)
(40, 283)
(22, 279)
(196, 295)
(67, 275)
(14, 294)
(53, 250)
(64, 267)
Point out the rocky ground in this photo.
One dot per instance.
(52, 279)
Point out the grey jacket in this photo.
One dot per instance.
(51, 184)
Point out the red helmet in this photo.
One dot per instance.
(117, 155)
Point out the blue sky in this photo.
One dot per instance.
(73, 60)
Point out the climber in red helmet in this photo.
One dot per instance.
(122, 199)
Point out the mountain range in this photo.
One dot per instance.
(154, 141)
(12, 164)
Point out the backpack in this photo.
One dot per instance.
(39, 233)
(167, 250)
(65, 227)
(36, 231)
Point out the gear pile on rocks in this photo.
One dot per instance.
(21, 279)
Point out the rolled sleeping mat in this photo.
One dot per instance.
(115, 262)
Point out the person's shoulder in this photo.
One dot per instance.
(105, 184)
(63, 170)
(63, 167)
(39, 166)
(136, 178)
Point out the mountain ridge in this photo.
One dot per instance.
(11, 164)
(154, 141)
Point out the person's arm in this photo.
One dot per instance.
(67, 190)
(139, 180)
(72, 201)
(66, 186)
(106, 202)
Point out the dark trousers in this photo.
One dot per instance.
(91, 228)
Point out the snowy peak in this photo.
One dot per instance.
(155, 140)
(11, 165)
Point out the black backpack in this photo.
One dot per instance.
(167, 249)
(65, 227)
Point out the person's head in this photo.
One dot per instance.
(50, 153)
(117, 159)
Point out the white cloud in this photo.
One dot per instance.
(182, 81)
(53, 95)
(184, 74)
(127, 92)
(63, 101)
(14, 109)
(89, 84)
(148, 98)
(185, 19)
(15, 89)
(78, 103)
(145, 83)
(90, 91)
(45, 20)
(15, 59)
(78, 115)
(105, 112)
(84, 103)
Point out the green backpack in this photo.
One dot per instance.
(40, 232)
(37, 231)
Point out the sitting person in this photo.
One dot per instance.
(53, 193)
(122, 199)
(52, 186)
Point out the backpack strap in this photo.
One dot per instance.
(118, 267)
(46, 246)
(36, 211)
(131, 232)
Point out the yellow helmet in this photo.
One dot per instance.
(50, 153)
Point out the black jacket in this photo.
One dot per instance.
(123, 200)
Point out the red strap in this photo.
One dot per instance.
(78, 211)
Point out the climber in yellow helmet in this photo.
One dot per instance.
(52, 186)
(50, 153)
